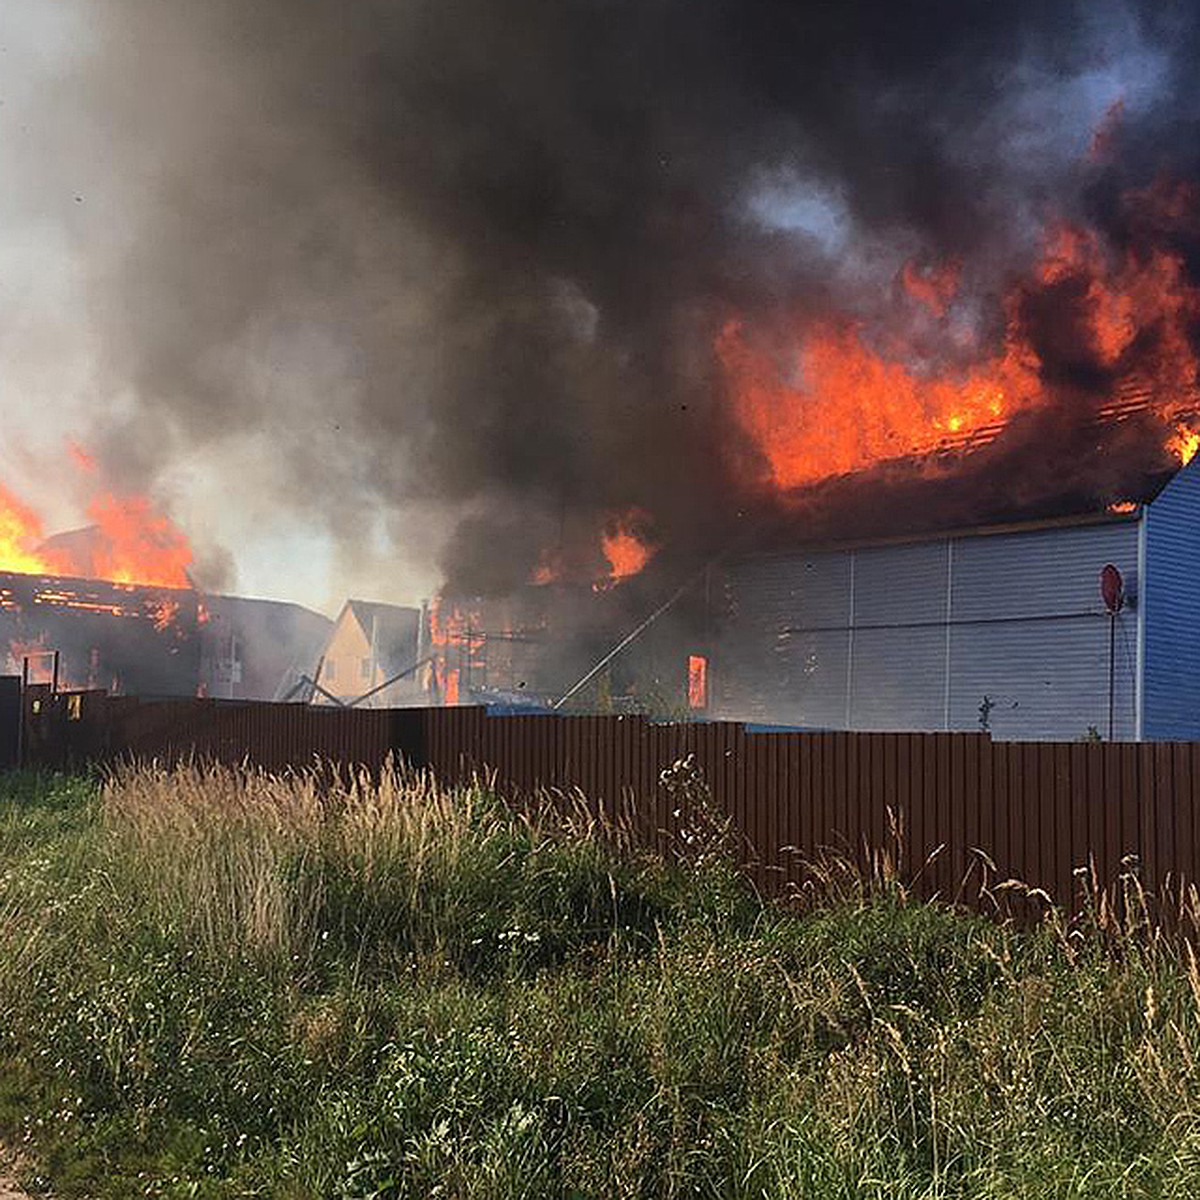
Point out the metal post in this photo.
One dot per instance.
(22, 735)
(54, 679)
(1112, 669)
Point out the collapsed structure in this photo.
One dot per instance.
(134, 639)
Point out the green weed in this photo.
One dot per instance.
(218, 983)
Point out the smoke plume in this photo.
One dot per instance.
(446, 275)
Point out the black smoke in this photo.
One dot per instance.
(462, 262)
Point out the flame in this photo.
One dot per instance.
(163, 613)
(550, 569)
(131, 542)
(626, 545)
(697, 681)
(20, 537)
(1184, 443)
(1120, 507)
(457, 636)
(838, 402)
(934, 287)
(139, 545)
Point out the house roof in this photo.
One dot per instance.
(1036, 469)
(393, 630)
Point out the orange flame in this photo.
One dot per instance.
(456, 634)
(130, 542)
(138, 544)
(550, 569)
(934, 287)
(626, 545)
(837, 404)
(20, 537)
(1184, 443)
(697, 681)
(1121, 507)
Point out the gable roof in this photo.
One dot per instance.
(393, 630)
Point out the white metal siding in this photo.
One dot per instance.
(920, 633)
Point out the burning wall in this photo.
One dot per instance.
(123, 638)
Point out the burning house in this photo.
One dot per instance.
(1002, 628)
(119, 637)
(958, 589)
(961, 590)
(112, 606)
(131, 639)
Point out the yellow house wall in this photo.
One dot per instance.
(341, 672)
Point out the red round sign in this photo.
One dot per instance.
(1112, 588)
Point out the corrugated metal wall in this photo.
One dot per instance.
(916, 635)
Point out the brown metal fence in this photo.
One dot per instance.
(964, 805)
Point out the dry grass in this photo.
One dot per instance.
(218, 983)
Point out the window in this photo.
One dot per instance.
(365, 670)
(330, 669)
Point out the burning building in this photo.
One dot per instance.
(116, 636)
(112, 606)
(1001, 628)
(131, 639)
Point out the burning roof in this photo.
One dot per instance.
(129, 541)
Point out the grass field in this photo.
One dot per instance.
(221, 985)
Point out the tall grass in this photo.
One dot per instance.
(219, 983)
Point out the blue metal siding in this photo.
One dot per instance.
(898, 679)
(899, 646)
(786, 652)
(900, 584)
(1042, 571)
(1171, 700)
(1043, 680)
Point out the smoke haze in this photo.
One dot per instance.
(440, 279)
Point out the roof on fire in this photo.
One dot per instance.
(1035, 472)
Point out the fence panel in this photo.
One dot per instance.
(1037, 811)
